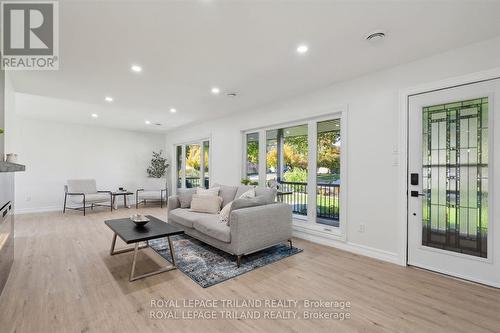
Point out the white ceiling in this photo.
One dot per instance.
(245, 46)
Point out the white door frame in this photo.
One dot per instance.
(404, 97)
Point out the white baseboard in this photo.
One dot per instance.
(363, 250)
(19, 211)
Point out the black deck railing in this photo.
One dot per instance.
(195, 182)
(327, 198)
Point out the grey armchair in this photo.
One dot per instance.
(83, 194)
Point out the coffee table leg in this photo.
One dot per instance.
(136, 250)
(172, 254)
(112, 251)
(113, 243)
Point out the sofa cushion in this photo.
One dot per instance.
(185, 195)
(213, 191)
(91, 198)
(268, 193)
(227, 193)
(206, 203)
(184, 216)
(242, 189)
(245, 203)
(149, 194)
(209, 225)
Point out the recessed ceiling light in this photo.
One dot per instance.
(147, 122)
(94, 115)
(173, 110)
(136, 68)
(108, 99)
(215, 90)
(375, 36)
(302, 49)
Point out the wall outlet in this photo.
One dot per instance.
(361, 228)
(28, 198)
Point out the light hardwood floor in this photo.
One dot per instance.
(63, 280)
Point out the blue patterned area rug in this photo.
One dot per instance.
(208, 266)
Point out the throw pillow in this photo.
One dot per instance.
(224, 213)
(214, 191)
(185, 195)
(206, 204)
(248, 194)
(268, 193)
(241, 203)
(227, 193)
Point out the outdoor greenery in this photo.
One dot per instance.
(253, 152)
(295, 175)
(328, 151)
(159, 165)
(247, 181)
(295, 155)
(193, 165)
(296, 159)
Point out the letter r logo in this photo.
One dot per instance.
(28, 28)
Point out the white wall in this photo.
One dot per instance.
(9, 114)
(54, 152)
(372, 146)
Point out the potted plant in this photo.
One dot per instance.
(158, 167)
(247, 181)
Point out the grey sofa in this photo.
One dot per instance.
(250, 229)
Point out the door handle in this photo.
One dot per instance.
(416, 194)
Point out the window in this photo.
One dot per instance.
(304, 162)
(206, 176)
(193, 161)
(252, 157)
(179, 166)
(287, 163)
(193, 164)
(328, 172)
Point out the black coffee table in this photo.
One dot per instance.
(132, 234)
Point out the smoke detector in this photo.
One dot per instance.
(232, 94)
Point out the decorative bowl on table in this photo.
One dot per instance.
(139, 220)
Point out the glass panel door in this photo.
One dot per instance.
(455, 177)
(178, 150)
(193, 163)
(328, 172)
(286, 165)
(206, 177)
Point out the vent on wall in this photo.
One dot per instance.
(377, 35)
